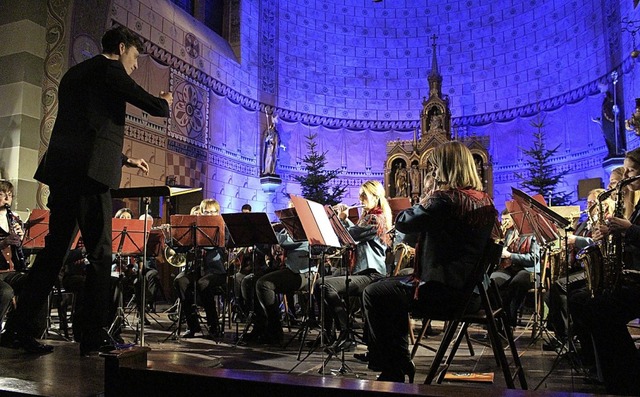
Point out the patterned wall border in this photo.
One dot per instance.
(53, 70)
(330, 122)
(144, 135)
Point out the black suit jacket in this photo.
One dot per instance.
(88, 135)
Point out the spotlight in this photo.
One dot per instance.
(635, 53)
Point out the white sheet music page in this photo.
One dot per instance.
(320, 215)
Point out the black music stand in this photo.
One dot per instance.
(146, 192)
(291, 223)
(248, 229)
(533, 216)
(323, 232)
(195, 232)
(36, 229)
(128, 237)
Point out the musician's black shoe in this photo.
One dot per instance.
(216, 332)
(553, 346)
(189, 334)
(29, 344)
(344, 342)
(96, 341)
(362, 357)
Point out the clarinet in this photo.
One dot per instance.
(13, 220)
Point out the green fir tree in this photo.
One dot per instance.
(315, 184)
(541, 177)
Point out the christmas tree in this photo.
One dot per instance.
(315, 184)
(542, 177)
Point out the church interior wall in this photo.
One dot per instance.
(355, 73)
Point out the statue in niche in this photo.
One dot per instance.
(401, 178)
(414, 177)
(436, 123)
(271, 146)
(608, 126)
(479, 167)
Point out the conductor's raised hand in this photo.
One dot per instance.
(138, 163)
(167, 96)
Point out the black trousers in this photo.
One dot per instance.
(10, 285)
(281, 281)
(335, 293)
(88, 207)
(387, 304)
(208, 285)
(607, 317)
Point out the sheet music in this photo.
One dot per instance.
(320, 215)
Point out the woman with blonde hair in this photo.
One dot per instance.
(209, 277)
(454, 223)
(372, 235)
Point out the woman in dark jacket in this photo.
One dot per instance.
(454, 223)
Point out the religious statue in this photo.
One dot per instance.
(401, 181)
(271, 146)
(437, 123)
(414, 177)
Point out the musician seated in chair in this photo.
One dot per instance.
(12, 265)
(210, 278)
(617, 301)
(455, 222)
(371, 234)
(150, 270)
(556, 298)
(295, 276)
(520, 261)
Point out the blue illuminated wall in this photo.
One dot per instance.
(355, 73)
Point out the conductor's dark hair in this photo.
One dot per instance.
(246, 207)
(120, 34)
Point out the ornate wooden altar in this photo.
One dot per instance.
(406, 165)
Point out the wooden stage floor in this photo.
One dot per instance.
(65, 373)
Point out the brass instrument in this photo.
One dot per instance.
(603, 262)
(14, 221)
(175, 259)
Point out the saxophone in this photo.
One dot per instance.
(603, 263)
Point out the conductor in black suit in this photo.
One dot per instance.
(82, 163)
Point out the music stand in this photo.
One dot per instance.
(291, 223)
(319, 229)
(146, 192)
(398, 204)
(36, 229)
(195, 232)
(533, 216)
(248, 229)
(128, 238)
